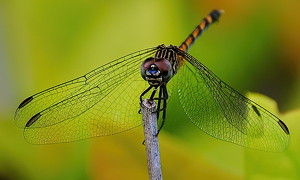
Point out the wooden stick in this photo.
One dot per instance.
(151, 139)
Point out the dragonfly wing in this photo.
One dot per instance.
(105, 101)
(223, 113)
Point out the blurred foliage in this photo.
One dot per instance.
(254, 47)
(264, 165)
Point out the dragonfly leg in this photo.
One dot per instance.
(141, 96)
(153, 93)
(151, 97)
(159, 101)
(148, 89)
(165, 97)
(158, 106)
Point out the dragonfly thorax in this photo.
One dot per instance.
(156, 71)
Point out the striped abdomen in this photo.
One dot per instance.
(209, 19)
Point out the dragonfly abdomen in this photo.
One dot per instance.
(205, 23)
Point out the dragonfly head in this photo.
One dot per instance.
(156, 71)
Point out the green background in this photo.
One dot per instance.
(255, 47)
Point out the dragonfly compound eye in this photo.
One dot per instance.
(156, 71)
(145, 66)
(165, 68)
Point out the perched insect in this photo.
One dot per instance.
(106, 100)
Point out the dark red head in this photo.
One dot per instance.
(156, 71)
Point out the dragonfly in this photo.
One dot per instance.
(106, 100)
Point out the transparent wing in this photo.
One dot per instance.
(223, 113)
(104, 101)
